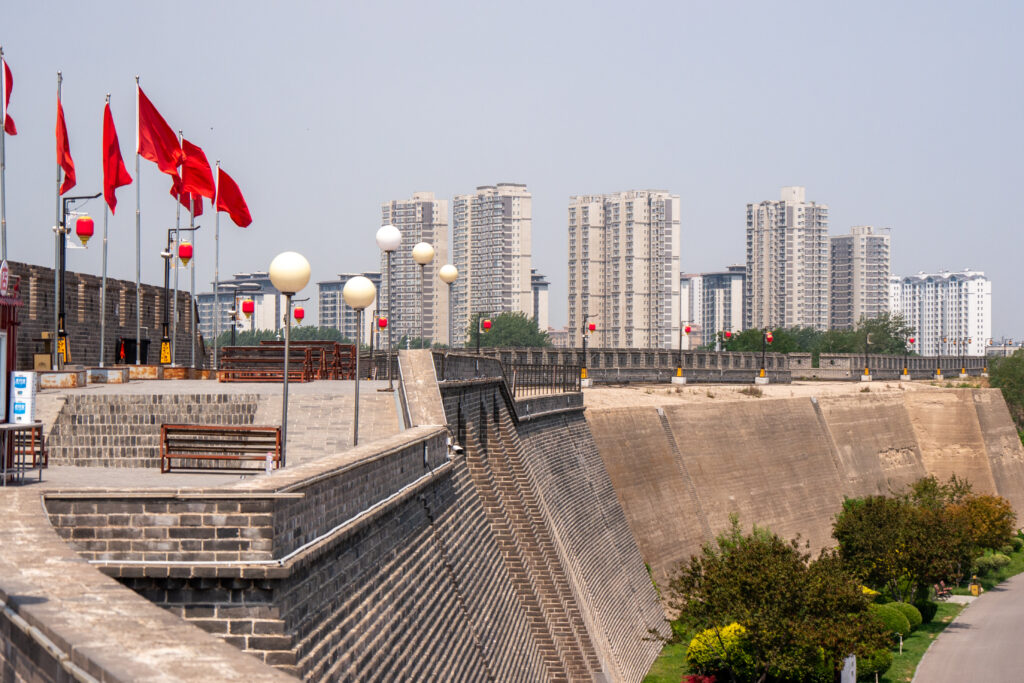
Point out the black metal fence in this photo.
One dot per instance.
(522, 380)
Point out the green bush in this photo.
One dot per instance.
(999, 560)
(706, 653)
(1007, 549)
(990, 563)
(878, 662)
(927, 608)
(1017, 543)
(912, 614)
(891, 618)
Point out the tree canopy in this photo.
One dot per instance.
(298, 333)
(889, 334)
(1007, 375)
(508, 329)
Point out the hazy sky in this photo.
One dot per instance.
(905, 115)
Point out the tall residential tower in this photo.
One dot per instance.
(787, 262)
(860, 276)
(624, 268)
(949, 312)
(491, 247)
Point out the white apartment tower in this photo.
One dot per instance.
(420, 304)
(787, 262)
(712, 303)
(949, 312)
(334, 312)
(491, 247)
(624, 269)
(860, 276)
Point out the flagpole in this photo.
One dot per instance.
(3, 158)
(103, 286)
(58, 234)
(192, 268)
(216, 267)
(177, 245)
(138, 237)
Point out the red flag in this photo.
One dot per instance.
(8, 86)
(230, 199)
(183, 197)
(157, 142)
(114, 172)
(64, 151)
(196, 175)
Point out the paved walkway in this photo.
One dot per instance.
(984, 643)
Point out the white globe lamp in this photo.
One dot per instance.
(423, 253)
(289, 272)
(389, 238)
(448, 273)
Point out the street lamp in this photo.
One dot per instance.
(388, 239)
(358, 293)
(422, 254)
(168, 344)
(588, 329)
(289, 273)
(483, 325)
(906, 353)
(766, 339)
(679, 379)
(449, 274)
(60, 350)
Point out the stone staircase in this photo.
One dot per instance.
(514, 512)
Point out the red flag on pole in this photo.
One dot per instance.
(114, 172)
(156, 141)
(178, 193)
(196, 176)
(8, 86)
(230, 199)
(64, 159)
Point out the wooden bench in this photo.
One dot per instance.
(331, 359)
(215, 442)
(264, 364)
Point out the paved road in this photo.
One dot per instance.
(984, 643)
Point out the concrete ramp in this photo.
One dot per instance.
(767, 461)
(949, 435)
(875, 445)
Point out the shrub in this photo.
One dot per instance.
(891, 618)
(878, 662)
(912, 614)
(927, 608)
(999, 561)
(1017, 543)
(1007, 549)
(707, 654)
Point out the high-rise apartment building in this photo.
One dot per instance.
(712, 303)
(624, 268)
(419, 307)
(860, 276)
(949, 312)
(787, 262)
(334, 312)
(491, 247)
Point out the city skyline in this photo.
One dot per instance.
(304, 129)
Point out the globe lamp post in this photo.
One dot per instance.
(449, 274)
(679, 379)
(389, 238)
(766, 339)
(289, 273)
(423, 253)
(906, 362)
(358, 293)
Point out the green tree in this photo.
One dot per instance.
(298, 333)
(1007, 375)
(889, 333)
(509, 329)
(801, 617)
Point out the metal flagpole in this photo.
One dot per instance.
(216, 267)
(58, 235)
(177, 246)
(192, 267)
(138, 238)
(103, 286)
(3, 159)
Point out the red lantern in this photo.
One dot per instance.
(591, 327)
(487, 325)
(769, 337)
(185, 252)
(686, 329)
(911, 340)
(84, 229)
(299, 314)
(382, 322)
(248, 307)
(728, 334)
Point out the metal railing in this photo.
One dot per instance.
(542, 380)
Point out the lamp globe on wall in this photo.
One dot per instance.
(389, 238)
(289, 272)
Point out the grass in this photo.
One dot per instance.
(670, 665)
(914, 645)
(987, 581)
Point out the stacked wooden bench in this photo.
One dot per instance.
(331, 360)
(219, 443)
(264, 364)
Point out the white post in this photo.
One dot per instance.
(284, 393)
(138, 238)
(359, 341)
(56, 260)
(3, 159)
(177, 245)
(216, 268)
(192, 268)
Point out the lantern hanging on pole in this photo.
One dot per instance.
(686, 329)
(185, 252)
(299, 312)
(911, 340)
(769, 337)
(487, 324)
(591, 327)
(84, 229)
(248, 307)
(728, 334)
(382, 322)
